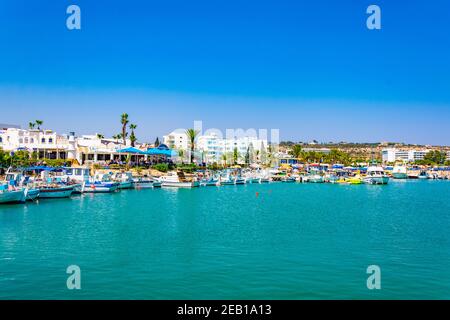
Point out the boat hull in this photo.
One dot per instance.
(173, 184)
(376, 180)
(32, 194)
(125, 185)
(400, 175)
(18, 196)
(100, 187)
(147, 184)
(63, 192)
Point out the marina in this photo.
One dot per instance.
(270, 241)
(63, 182)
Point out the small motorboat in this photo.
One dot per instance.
(179, 180)
(101, 183)
(125, 180)
(55, 191)
(210, 182)
(376, 175)
(146, 183)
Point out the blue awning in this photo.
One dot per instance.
(131, 150)
(160, 152)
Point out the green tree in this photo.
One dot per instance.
(31, 125)
(247, 156)
(39, 123)
(435, 157)
(181, 155)
(235, 155)
(296, 151)
(192, 136)
(124, 121)
(224, 158)
(100, 136)
(157, 142)
(133, 138)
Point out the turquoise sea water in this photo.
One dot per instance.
(291, 241)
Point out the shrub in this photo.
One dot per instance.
(163, 167)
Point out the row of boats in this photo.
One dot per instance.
(64, 182)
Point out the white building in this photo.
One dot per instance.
(393, 155)
(49, 145)
(176, 140)
(46, 143)
(211, 147)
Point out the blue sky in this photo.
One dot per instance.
(312, 70)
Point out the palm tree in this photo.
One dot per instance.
(100, 136)
(181, 155)
(132, 135)
(235, 155)
(296, 151)
(192, 135)
(39, 123)
(157, 142)
(224, 159)
(31, 125)
(116, 137)
(124, 121)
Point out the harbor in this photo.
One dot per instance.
(268, 241)
(33, 183)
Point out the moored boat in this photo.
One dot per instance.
(399, 172)
(179, 180)
(8, 195)
(376, 175)
(101, 183)
(55, 191)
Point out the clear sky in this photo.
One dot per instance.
(309, 68)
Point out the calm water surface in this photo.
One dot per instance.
(289, 241)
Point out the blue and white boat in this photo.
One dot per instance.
(125, 179)
(10, 195)
(101, 183)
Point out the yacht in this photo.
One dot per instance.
(399, 172)
(179, 180)
(376, 175)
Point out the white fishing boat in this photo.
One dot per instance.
(376, 175)
(8, 195)
(125, 179)
(315, 178)
(288, 179)
(422, 175)
(179, 180)
(17, 179)
(100, 183)
(211, 182)
(399, 172)
(55, 191)
(146, 183)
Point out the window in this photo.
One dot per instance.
(26, 140)
(1, 139)
(31, 140)
(43, 140)
(20, 140)
(50, 140)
